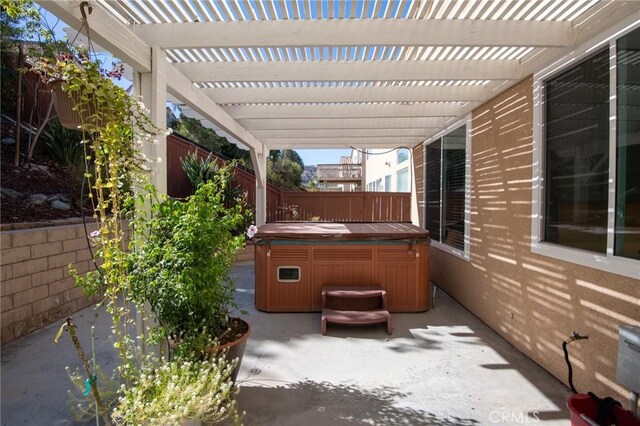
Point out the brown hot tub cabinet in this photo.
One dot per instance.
(294, 261)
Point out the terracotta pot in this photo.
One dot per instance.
(235, 348)
(64, 104)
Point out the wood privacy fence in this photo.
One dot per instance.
(342, 207)
(283, 205)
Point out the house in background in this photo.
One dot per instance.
(345, 177)
(388, 170)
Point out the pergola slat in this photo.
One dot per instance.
(336, 133)
(351, 70)
(367, 142)
(347, 94)
(448, 109)
(337, 32)
(342, 123)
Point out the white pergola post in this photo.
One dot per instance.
(259, 160)
(153, 90)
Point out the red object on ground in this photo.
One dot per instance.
(580, 403)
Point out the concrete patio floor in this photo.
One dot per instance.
(442, 367)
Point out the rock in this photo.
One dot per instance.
(57, 204)
(60, 197)
(10, 193)
(38, 199)
(8, 141)
(40, 168)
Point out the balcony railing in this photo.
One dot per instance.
(339, 172)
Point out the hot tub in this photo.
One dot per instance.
(294, 260)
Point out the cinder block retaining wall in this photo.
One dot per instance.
(36, 287)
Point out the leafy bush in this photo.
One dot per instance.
(199, 170)
(181, 259)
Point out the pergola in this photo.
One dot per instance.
(322, 74)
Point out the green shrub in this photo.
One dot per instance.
(62, 145)
(199, 170)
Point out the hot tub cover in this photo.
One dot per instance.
(340, 231)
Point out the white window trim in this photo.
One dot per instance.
(601, 261)
(466, 254)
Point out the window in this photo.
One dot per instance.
(432, 188)
(387, 183)
(627, 205)
(402, 180)
(587, 208)
(402, 155)
(446, 190)
(577, 155)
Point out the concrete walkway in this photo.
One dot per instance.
(442, 367)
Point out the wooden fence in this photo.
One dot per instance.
(342, 207)
(285, 205)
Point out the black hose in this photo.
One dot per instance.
(569, 367)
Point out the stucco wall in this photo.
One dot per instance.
(36, 286)
(533, 301)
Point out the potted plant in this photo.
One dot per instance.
(179, 392)
(115, 126)
(84, 96)
(180, 261)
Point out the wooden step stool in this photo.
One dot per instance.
(372, 316)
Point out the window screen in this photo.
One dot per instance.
(453, 187)
(432, 189)
(577, 155)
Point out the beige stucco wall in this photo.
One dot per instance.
(533, 301)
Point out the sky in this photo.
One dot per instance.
(313, 157)
(310, 157)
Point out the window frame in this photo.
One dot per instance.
(466, 121)
(404, 170)
(602, 261)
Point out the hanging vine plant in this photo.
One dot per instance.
(114, 127)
